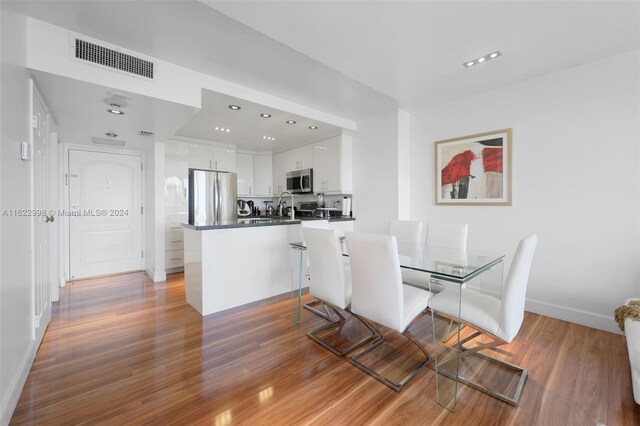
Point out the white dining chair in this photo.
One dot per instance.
(331, 284)
(500, 320)
(379, 295)
(449, 235)
(406, 231)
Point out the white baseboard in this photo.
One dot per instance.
(14, 389)
(578, 316)
(156, 276)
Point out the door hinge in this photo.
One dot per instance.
(34, 121)
(141, 210)
(66, 179)
(142, 254)
(141, 166)
(36, 321)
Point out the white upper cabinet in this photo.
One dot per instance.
(244, 169)
(287, 161)
(263, 174)
(224, 159)
(203, 156)
(200, 155)
(279, 173)
(332, 169)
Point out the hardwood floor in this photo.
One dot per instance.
(121, 350)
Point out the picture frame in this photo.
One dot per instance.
(474, 170)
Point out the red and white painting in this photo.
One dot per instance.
(474, 169)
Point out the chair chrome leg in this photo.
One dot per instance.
(475, 351)
(311, 307)
(313, 334)
(395, 386)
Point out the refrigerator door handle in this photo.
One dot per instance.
(217, 199)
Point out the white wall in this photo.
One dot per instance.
(159, 213)
(576, 183)
(16, 326)
(375, 173)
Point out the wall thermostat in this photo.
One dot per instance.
(25, 151)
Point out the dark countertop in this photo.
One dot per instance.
(251, 222)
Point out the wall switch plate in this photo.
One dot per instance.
(25, 151)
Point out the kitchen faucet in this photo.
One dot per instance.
(292, 211)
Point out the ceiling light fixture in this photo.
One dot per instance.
(222, 129)
(115, 111)
(268, 138)
(290, 122)
(482, 59)
(234, 107)
(265, 115)
(313, 127)
(111, 134)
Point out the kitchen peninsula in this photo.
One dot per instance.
(233, 263)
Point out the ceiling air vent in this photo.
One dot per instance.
(113, 59)
(145, 134)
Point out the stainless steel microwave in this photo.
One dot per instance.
(300, 181)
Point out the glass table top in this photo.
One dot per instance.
(447, 263)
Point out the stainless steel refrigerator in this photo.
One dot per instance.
(212, 197)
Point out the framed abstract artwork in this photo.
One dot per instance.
(474, 170)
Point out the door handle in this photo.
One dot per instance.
(48, 219)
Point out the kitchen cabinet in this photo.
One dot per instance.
(263, 174)
(255, 174)
(202, 156)
(287, 161)
(244, 169)
(179, 157)
(332, 165)
(279, 173)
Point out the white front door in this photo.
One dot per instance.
(41, 222)
(105, 193)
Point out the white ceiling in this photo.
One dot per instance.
(247, 127)
(81, 113)
(190, 34)
(357, 59)
(413, 51)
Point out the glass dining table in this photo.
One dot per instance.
(450, 268)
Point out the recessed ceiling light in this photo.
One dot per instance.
(234, 107)
(290, 122)
(111, 134)
(482, 59)
(313, 127)
(265, 115)
(222, 129)
(115, 111)
(268, 138)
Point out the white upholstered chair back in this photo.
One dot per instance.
(328, 279)
(406, 231)
(450, 235)
(515, 288)
(376, 280)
